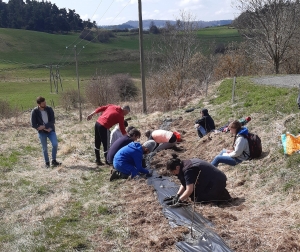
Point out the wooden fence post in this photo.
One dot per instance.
(233, 88)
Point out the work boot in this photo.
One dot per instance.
(98, 162)
(55, 163)
(47, 165)
(114, 175)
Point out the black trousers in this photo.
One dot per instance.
(102, 135)
(213, 191)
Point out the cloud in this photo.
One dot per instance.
(222, 11)
(126, 2)
(84, 17)
(184, 3)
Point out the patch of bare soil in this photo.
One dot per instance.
(258, 219)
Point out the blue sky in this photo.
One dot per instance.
(112, 12)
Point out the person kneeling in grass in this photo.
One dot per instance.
(128, 162)
(200, 181)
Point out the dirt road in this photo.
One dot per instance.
(292, 80)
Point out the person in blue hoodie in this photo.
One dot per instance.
(240, 151)
(128, 161)
(132, 135)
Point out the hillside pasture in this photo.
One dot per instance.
(75, 207)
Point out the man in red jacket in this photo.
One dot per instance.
(111, 115)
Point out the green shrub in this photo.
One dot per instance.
(6, 111)
(100, 91)
(87, 35)
(125, 86)
(104, 36)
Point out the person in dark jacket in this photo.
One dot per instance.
(208, 182)
(205, 124)
(43, 120)
(132, 136)
(128, 161)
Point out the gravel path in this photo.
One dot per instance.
(292, 80)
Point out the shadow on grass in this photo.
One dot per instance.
(85, 168)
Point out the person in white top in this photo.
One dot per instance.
(240, 151)
(116, 133)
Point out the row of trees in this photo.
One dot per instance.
(40, 16)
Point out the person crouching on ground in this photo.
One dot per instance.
(132, 135)
(205, 124)
(208, 182)
(165, 139)
(240, 150)
(128, 162)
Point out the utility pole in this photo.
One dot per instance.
(142, 57)
(233, 89)
(79, 99)
(50, 79)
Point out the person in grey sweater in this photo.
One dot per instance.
(240, 151)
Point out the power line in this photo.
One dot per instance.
(109, 24)
(85, 27)
(91, 30)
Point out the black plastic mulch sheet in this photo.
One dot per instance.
(203, 238)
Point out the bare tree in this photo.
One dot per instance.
(270, 27)
(175, 47)
(202, 68)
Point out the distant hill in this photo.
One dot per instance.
(118, 27)
(161, 23)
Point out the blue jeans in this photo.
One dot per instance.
(53, 139)
(225, 160)
(201, 131)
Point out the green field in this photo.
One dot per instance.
(26, 57)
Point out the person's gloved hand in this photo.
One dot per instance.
(179, 203)
(149, 175)
(171, 197)
(196, 125)
(173, 200)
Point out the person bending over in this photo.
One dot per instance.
(111, 115)
(128, 161)
(131, 136)
(240, 151)
(164, 139)
(200, 181)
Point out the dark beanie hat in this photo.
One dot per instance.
(204, 111)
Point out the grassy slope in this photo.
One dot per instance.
(25, 57)
(74, 207)
(217, 35)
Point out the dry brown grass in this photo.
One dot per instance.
(35, 200)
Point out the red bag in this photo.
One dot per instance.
(178, 136)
